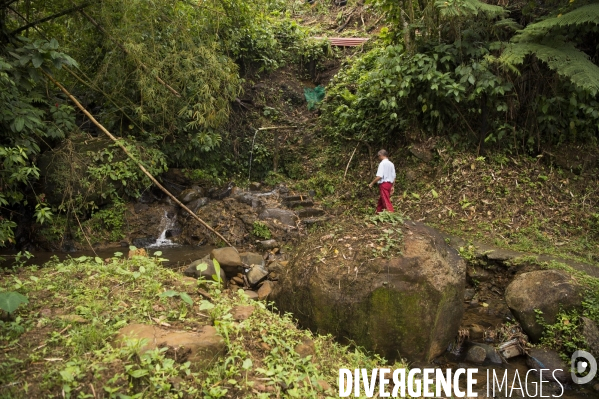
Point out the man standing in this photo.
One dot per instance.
(385, 176)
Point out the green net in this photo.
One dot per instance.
(313, 96)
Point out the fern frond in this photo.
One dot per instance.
(508, 23)
(583, 15)
(467, 8)
(580, 16)
(564, 59)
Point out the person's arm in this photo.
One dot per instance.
(376, 179)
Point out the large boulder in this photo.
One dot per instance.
(199, 348)
(228, 259)
(544, 290)
(408, 306)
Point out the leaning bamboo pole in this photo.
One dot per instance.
(139, 164)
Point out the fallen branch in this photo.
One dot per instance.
(339, 29)
(205, 294)
(141, 64)
(139, 164)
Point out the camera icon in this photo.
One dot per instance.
(583, 363)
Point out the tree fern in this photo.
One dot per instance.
(467, 8)
(564, 59)
(545, 40)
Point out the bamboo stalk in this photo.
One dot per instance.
(139, 164)
(141, 64)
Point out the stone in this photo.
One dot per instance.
(196, 204)
(284, 216)
(227, 256)
(255, 186)
(478, 274)
(253, 295)
(256, 274)
(590, 332)
(277, 267)
(143, 242)
(190, 195)
(199, 348)
(491, 354)
(242, 312)
(305, 348)
(548, 359)
(192, 271)
(137, 252)
(546, 290)
(502, 255)
(251, 258)
(469, 294)
(268, 244)
(410, 304)
(476, 332)
(476, 355)
(309, 212)
(265, 290)
(237, 280)
(221, 193)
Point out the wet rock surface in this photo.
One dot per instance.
(545, 290)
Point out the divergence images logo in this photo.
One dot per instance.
(583, 363)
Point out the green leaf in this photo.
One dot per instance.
(19, 122)
(37, 60)
(169, 293)
(158, 253)
(434, 193)
(10, 301)
(98, 260)
(205, 305)
(202, 266)
(138, 373)
(132, 248)
(247, 363)
(186, 298)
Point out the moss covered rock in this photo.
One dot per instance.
(408, 306)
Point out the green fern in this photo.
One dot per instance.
(467, 8)
(544, 39)
(564, 59)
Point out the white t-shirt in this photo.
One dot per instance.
(386, 171)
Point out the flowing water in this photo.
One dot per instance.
(166, 225)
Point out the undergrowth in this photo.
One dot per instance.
(61, 344)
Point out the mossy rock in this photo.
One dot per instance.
(409, 306)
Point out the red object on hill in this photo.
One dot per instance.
(345, 41)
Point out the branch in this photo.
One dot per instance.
(139, 164)
(51, 17)
(141, 64)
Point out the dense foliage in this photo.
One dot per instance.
(443, 72)
(159, 75)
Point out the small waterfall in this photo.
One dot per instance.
(166, 224)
